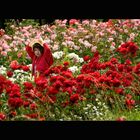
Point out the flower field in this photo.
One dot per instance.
(95, 74)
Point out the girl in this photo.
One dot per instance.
(41, 57)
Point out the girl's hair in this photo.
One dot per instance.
(38, 46)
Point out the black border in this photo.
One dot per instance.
(60, 10)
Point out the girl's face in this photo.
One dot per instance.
(37, 52)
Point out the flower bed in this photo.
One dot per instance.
(95, 72)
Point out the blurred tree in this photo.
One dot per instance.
(45, 21)
(2, 25)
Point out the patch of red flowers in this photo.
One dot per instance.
(9, 73)
(128, 48)
(74, 98)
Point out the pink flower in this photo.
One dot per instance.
(5, 46)
(19, 54)
(93, 49)
(4, 53)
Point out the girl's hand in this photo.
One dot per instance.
(40, 41)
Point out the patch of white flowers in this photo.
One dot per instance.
(95, 112)
(2, 70)
(18, 75)
(73, 69)
(21, 76)
(75, 57)
(58, 55)
(112, 48)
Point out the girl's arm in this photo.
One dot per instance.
(48, 54)
(30, 51)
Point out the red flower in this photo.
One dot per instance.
(114, 61)
(13, 113)
(126, 82)
(68, 83)
(116, 82)
(128, 62)
(128, 96)
(28, 85)
(130, 102)
(52, 90)
(53, 78)
(73, 21)
(86, 58)
(14, 65)
(26, 103)
(41, 82)
(15, 102)
(80, 90)
(132, 48)
(80, 77)
(14, 94)
(74, 98)
(42, 119)
(119, 91)
(123, 51)
(9, 73)
(95, 74)
(103, 66)
(67, 74)
(128, 47)
(34, 115)
(66, 64)
(53, 98)
(120, 119)
(93, 91)
(68, 89)
(102, 78)
(136, 69)
(2, 79)
(33, 106)
(25, 68)
(2, 32)
(120, 67)
(2, 117)
(57, 85)
(55, 70)
(64, 104)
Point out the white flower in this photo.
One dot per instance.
(73, 69)
(87, 44)
(81, 60)
(17, 71)
(48, 41)
(70, 43)
(12, 79)
(76, 47)
(64, 43)
(55, 47)
(81, 41)
(61, 119)
(58, 55)
(88, 105)
(73, 55)
(94, 107)
(112, 48)
(110, 39)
